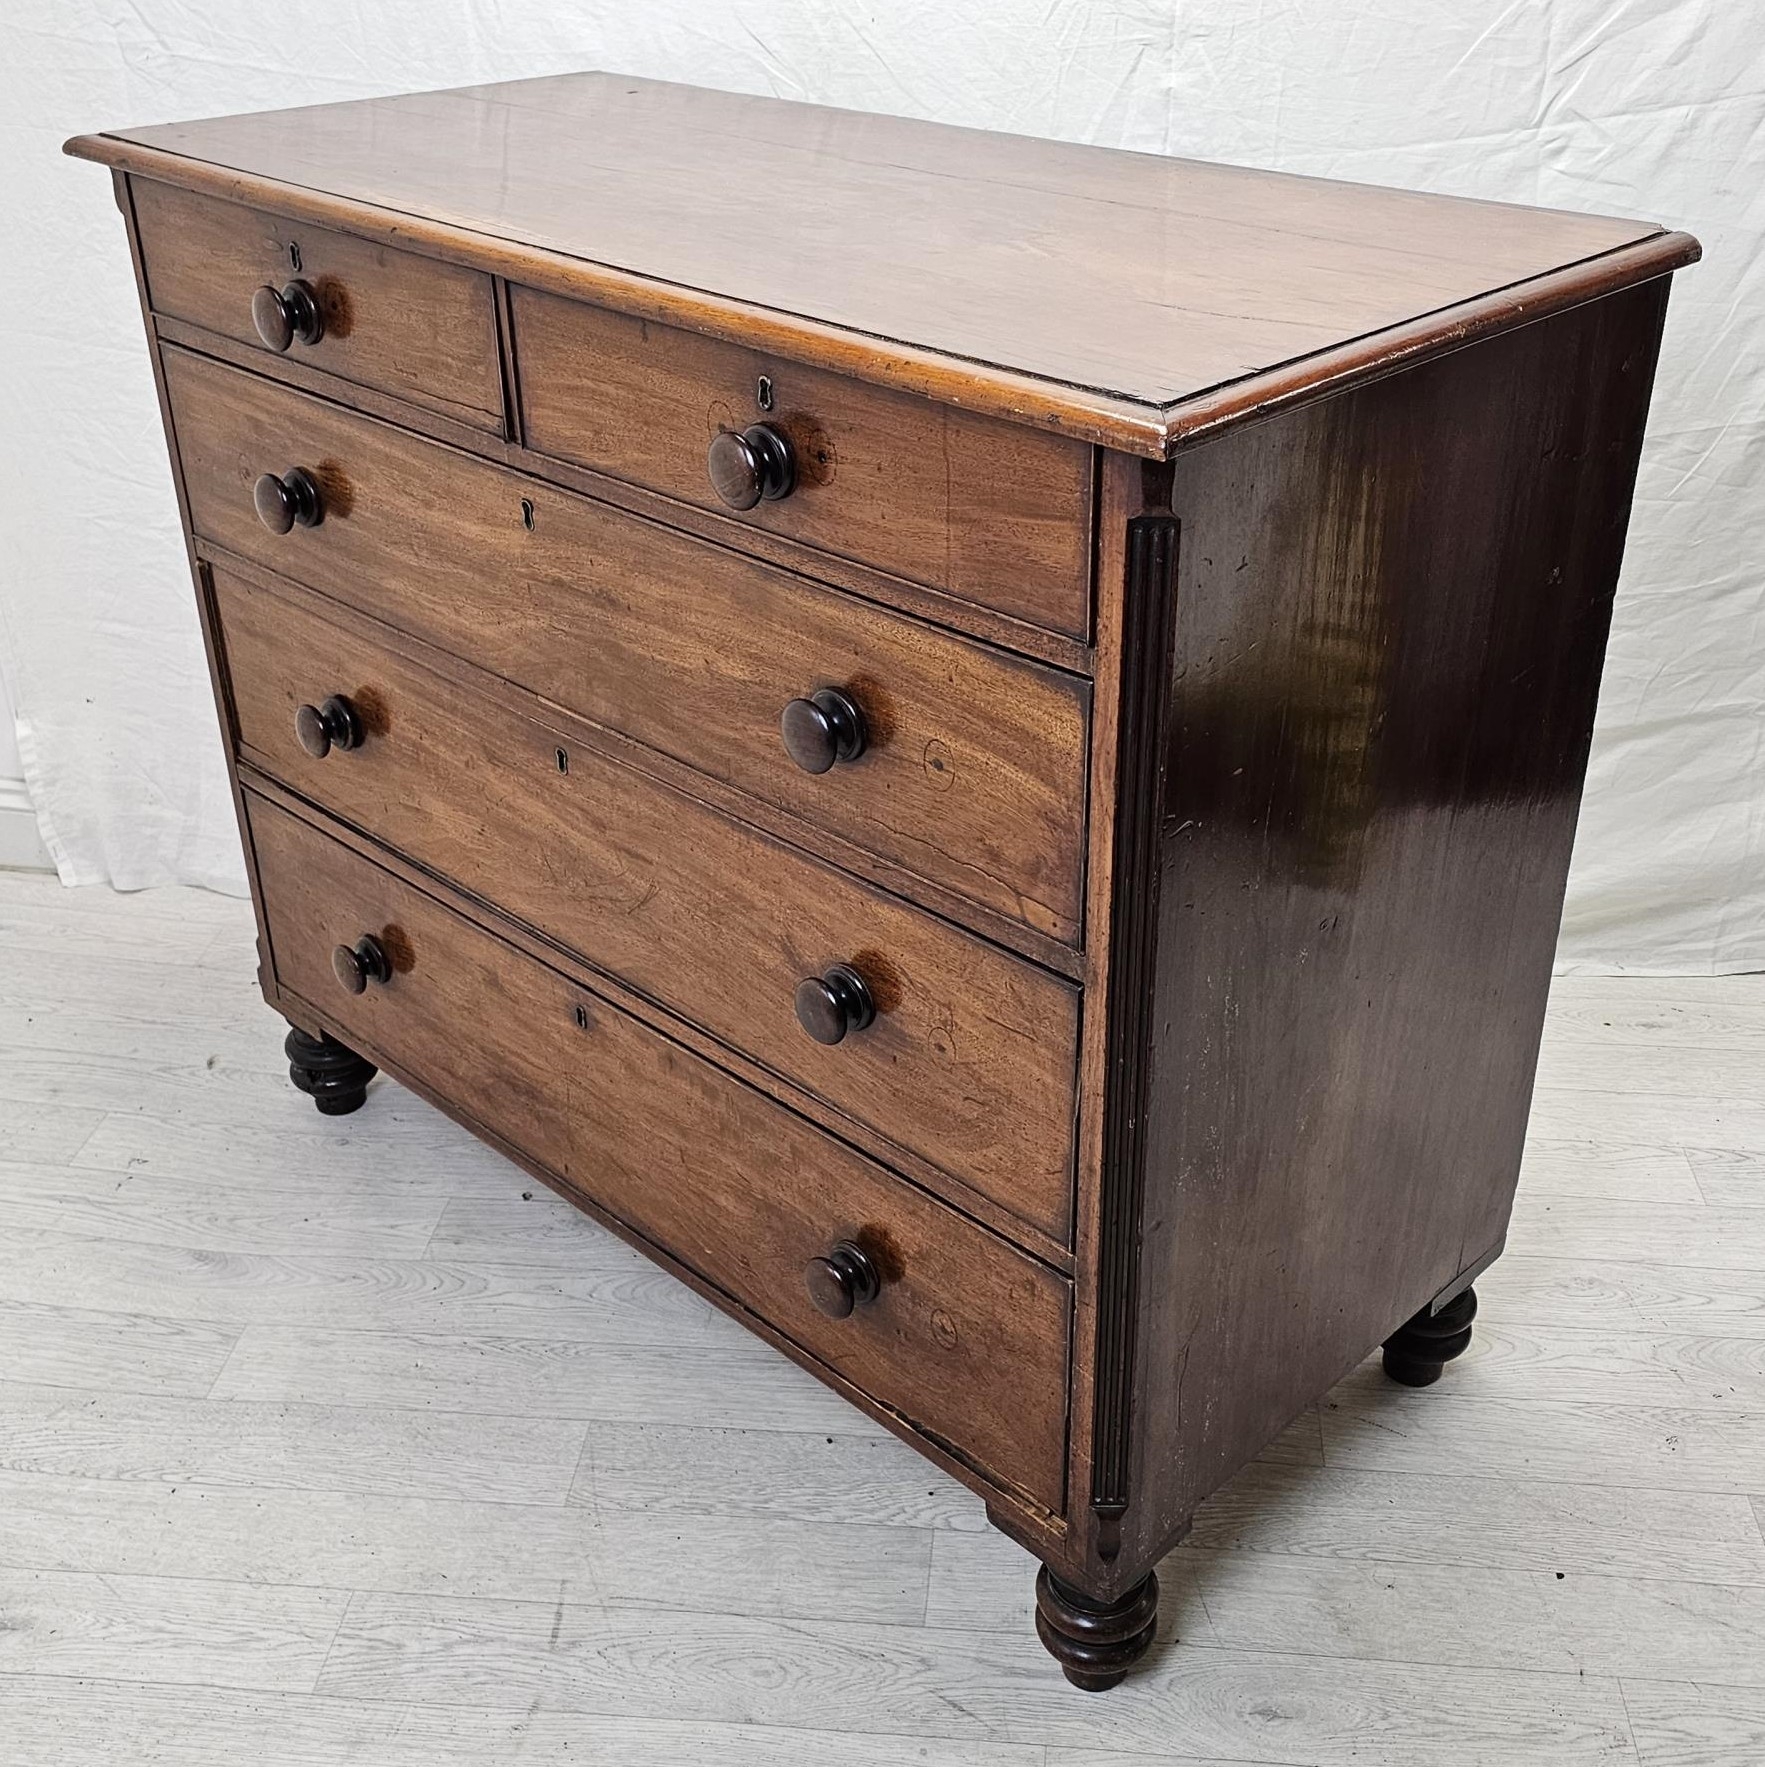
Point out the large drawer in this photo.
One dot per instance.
(970, 1062)
(415, 327)
(972, 774)
(967, 1336)
(988, 511)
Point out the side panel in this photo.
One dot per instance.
(1392, 611)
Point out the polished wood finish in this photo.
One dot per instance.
(333, 723)
(966, 1055)
(1095, 1642)
(332, 1075)
(966, 1336)
(1067, 287)
(408, 325)
(972, 773)
(846, 1279)
(1374, 730)
(1416, 1354)
(1053, 938)
(991, 512)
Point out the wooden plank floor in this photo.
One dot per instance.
(335, 1442)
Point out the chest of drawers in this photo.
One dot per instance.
(973, 743)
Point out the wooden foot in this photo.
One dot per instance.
(330, 1073)
(1095, 1643)
(1421, 1347)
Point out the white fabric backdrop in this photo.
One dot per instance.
(1640, 107)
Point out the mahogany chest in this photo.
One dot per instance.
(972, 742)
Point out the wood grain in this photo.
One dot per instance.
(205, 1217)
(1619, 1172)
(1066, 285)
(53, 1344)
(600, 1383)
(1504, 1618)
(1727, 1178)
(808, 1522)
(1508, 1521)
(166, 1630)
(1383, 703)
(170, 1441)
(411, 326)
(48, 1131)
(506, 1551)
(1292, 807)
(994, 513)
(1631, 1232)
(695, 1470)
(608, 1292)
(285, 1148)
(427, 1649)
(971, 1060)
(1697, 1723)
(1582, 1292)
(1670, 1447)
(689, 1158)
(975, 774)
(721, 527)
(115, 1725)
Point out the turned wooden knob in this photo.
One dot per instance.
(830, 1005)
(363, 962)
(282, 315)
(332, 724)
(846, 1278)
(282, 502)
(824, 728)
(751, 464)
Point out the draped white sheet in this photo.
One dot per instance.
(1640, 107)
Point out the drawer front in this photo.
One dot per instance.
(987, 511)
(972, 773)
(971, 1059)
(967, 1337)
(414, 327)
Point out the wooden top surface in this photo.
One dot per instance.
(1127, 297)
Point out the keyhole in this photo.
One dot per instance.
(763, 392)
(527, 513)
(582, 1018)
(294, 254)
(563, 760)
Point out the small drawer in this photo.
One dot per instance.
(415, 327)
(963, 1336)
(969, 1060)
(987, 511)
(972, 770)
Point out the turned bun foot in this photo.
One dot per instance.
(330, 1073)
(1421, 1347)
(1095, 1643)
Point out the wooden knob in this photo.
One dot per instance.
(751, 464)
(824, 728)
(282, 315)
(846, 1278)
(830, 1005)
(282, 502)
(358, 964)
(333, 724)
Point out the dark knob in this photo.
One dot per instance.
(846, 1278)
(282, 315)
(363, 962)
(828, 1006)
(822, 729)
(746, 465)
(281, 502)
(335, 724)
